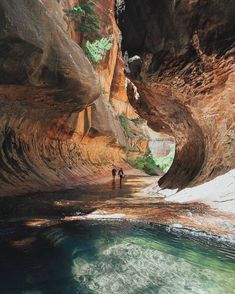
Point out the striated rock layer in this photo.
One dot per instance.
(186, 82)
(51, 134)
(58, 123)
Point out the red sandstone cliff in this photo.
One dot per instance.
(58, 129)
(186, 81)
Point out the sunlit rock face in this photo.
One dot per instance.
(50, 99)
(186, 81)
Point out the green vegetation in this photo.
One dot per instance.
(97, 50)
(146, 163)
(88, 25)
(138, 121)
(149, 165)
(124, 123)
(164, 163)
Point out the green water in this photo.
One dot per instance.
(111, 257)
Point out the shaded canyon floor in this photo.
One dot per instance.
(108, 201)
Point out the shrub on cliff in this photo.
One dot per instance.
(88, 25)
(95, 51)
(86, 20)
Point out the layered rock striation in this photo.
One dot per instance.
(186, 80)
(50, 99)
(59, 124)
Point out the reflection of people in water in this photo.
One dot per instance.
(121, 175)
(113, 184)
(114, 173)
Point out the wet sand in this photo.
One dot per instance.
(109, 200)
(132, 202)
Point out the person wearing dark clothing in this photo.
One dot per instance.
(121, 175)
(114, 173)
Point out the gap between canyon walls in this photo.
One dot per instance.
(185, 80)
(57, 127)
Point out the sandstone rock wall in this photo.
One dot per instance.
(118, 95)
(50, 136)
(186, 82)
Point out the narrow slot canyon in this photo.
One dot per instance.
(91, 88)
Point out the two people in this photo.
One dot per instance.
(121, 174)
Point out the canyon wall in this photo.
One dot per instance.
(185, 80)
(59, 124)
(57, 129)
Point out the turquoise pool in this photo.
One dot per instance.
(111, 257)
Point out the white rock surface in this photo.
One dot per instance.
(218, 193)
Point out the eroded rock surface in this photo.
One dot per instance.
(47, 87)
(45, 81)
(57, 126)
(186, 83)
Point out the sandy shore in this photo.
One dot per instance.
(135, 200)
(138, 200)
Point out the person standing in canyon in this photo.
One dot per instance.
(121, 175)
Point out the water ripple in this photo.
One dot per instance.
(113, 257)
